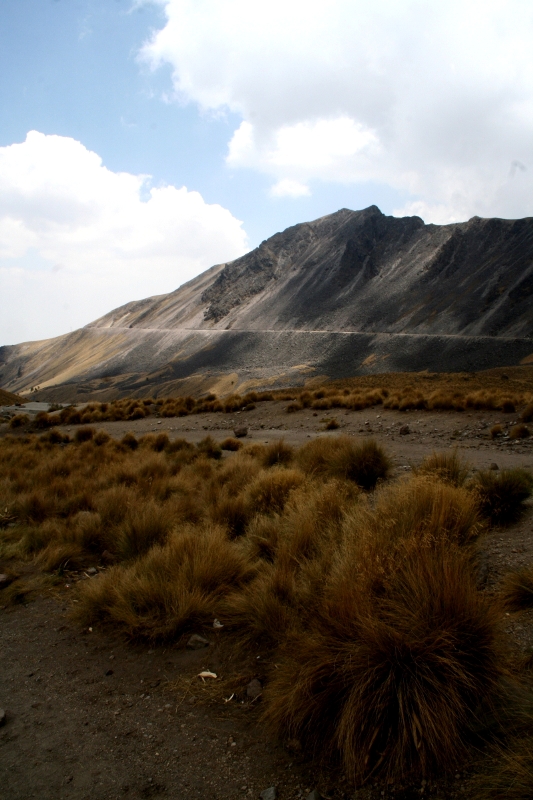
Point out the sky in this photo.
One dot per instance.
(142, 141)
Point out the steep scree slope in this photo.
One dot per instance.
(352, 291)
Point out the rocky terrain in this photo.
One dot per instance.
(350, 293)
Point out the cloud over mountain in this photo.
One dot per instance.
(432, 99)
(77, 238)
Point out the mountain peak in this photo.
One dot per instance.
(329, 295)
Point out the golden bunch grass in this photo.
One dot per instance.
(446, 466)
(519, 431)
(517, 589)
(364, 463)
(383, 678)
(502, 494)
(489, 390)
(366, 601)
(508, 772)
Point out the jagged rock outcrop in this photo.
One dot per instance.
(352, 291)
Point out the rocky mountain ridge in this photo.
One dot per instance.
(351, 292)
(363, 271)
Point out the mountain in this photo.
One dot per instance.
(352, 292)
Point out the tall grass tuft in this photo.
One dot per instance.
(143, 528)
(19, 421)
(527, 413)
(277, 453)
(517, 589)
(509, 773)
(366, 603)
(364, 463)
(519, 431)
(447, 467)
(174, 588)
(388, 680)
(231, 444)
(420, 509)
(502, 494)
(270, 491)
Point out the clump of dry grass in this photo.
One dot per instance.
(446, 466)
(519, 431)
(101, 437)
(54, 436)
(527, 413)
(366, 603)
(209, 448)
(364, 463)
(517, 589)
(175, 587)
(423, 509)
(383, 676)
(84, 434)
(18, 421)
(294, 552)
(231, 444)
(234, 512)
(508, 773)
(502, 494)
(277, 453)
(130, 441)
(143, 528)
(496, 431)
(403, 391)
(421, 391)
(270, 491)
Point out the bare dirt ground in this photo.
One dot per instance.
(91, 717)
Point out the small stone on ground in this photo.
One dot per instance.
(196, 642)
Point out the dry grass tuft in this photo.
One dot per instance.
(363, 463)
(367, 603)
(270, 491)
(517, 589)
(84, 434)
(527, 413)
(231, 444)
(101, 437)
(209, 448)
(175, 587)
(496, 431)
(519, 431)
(447, 467)
(143, 528)
(502, 494)
(18, 421)
(421, 509)
(389, 680)
(277, 453)
(332, 425)
(54, 436)
(129, 440)
(509, 772)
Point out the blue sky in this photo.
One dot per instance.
(268, 113)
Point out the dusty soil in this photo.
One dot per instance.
(89, 716)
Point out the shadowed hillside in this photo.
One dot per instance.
(350, 293)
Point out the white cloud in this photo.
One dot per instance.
(309, 147)
(433, 99)
(289, 188)
(76, 239)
